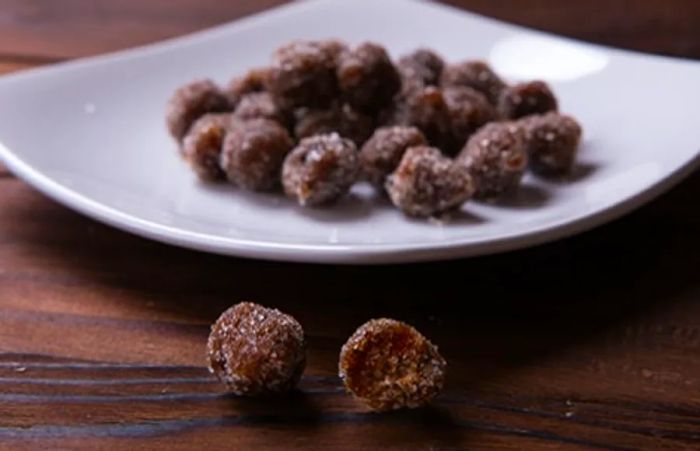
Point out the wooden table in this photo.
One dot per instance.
(589, 342)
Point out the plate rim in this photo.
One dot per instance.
(379, 253)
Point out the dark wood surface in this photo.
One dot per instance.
(590, 342)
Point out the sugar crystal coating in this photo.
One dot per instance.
(367, 77)
(523, 99)
(425, 108)
(320, 169)
(476, 75)
(303, 74)
(426, 183)
(253, 81)
(256, 350)
(334, 96)
(342, 119)
(382, 153)
(552, 142)
(256, 105)
(469, 110)
(202, 145)
(253, 153)
(192, 101)
(389, 365)
(422, 66)
(496, 158)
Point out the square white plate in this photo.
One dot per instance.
(91, 135)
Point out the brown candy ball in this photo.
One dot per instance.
(303, 74)
(320, 169)
(192, 101)
(552, 142)
(257, 105)
(423, 66)
(253, 81)
(496, 158)
(426, 183)
(367, 77)
(253, 153)
(389, 365)
(341, 119)
(382, 153)
(476, 75)
(425, 108)
(202, 145)
(256, 350)
(524, 99)
(469, 110)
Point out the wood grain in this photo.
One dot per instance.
(72, 28)
(590, 342)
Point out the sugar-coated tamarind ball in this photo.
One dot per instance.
(368, 78)
(255, 350)
(382, 153)
(552, 141)
(389, 365)
(303, 74)
(260, 105)
(496, 157)
(254, 80)
(342, 119)
(192, 101)
(476, 75)
(425, 108)
(253, 153)
(427, 183)
(202, 145)
(422, 66)
(320, 169)
(524, 99)
(469, 110)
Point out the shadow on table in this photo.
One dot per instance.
(489, 314)
(311, 421)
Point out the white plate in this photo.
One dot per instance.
(90, 134)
